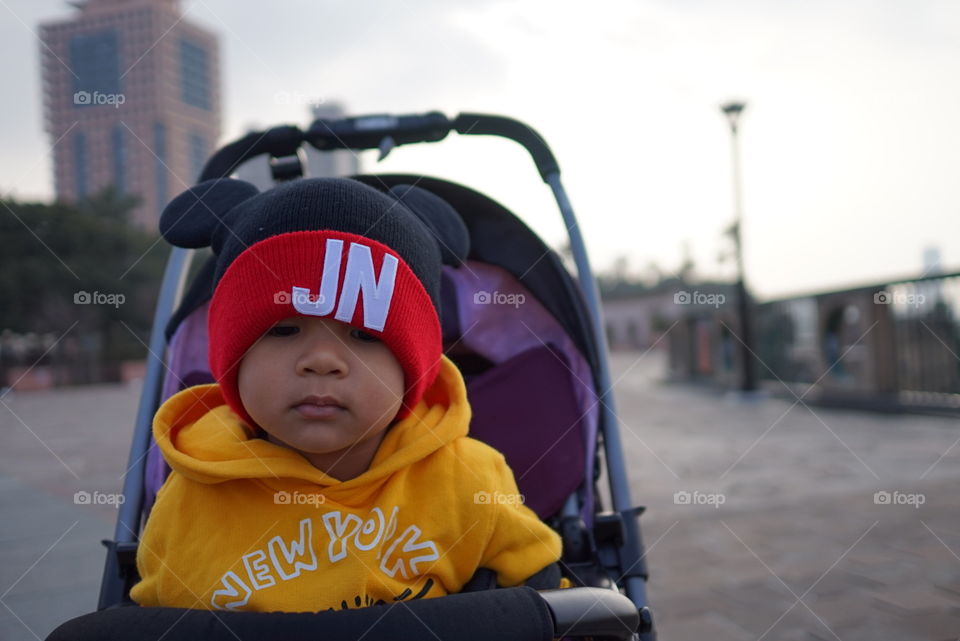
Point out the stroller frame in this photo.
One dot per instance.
(615, 540)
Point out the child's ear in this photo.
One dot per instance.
(192, 219)
(441, 219)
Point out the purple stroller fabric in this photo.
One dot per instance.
(187, 366)
(522, 420)
(537, 403)
(499, 320)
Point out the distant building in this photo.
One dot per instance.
(635, 321)
(131, 96)
(889, 346)
(320, 164)
(636, 316)
(931, 261)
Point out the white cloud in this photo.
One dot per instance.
(850, 136)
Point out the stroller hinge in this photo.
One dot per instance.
(284, 168)
(124, 552)
(632, 553)
(119, 573)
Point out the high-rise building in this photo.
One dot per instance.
(131, 96)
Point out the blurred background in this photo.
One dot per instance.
(766, 191)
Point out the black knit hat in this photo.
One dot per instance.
(329, 237)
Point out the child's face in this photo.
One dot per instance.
(307, 356)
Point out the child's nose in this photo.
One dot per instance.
(323, 356)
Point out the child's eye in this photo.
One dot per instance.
(366, 337)
(283, 330)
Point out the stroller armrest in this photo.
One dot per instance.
(507, 614)
(514, 614)
(594, 612)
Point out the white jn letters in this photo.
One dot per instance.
(358, 277)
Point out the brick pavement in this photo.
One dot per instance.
(798, 549)
(53, 444)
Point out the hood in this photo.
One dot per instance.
(205, 441)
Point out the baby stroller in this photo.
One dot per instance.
(569, 434)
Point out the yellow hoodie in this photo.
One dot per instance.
(244, 524)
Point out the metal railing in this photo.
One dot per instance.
(892, 346)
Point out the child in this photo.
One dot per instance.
(329, 467)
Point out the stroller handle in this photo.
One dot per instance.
(370, 132)
(486, 125)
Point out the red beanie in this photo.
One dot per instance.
(331, 248)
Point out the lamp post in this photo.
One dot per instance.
(748, 383)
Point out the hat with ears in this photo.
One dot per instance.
(327, 247)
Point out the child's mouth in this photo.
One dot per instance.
(315, 407)
(308, 410)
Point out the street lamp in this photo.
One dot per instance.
(748, 383)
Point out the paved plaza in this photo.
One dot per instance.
(770, 520)
(764, 520)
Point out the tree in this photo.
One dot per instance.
(84, 272)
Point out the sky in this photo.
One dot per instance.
(850, 141)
